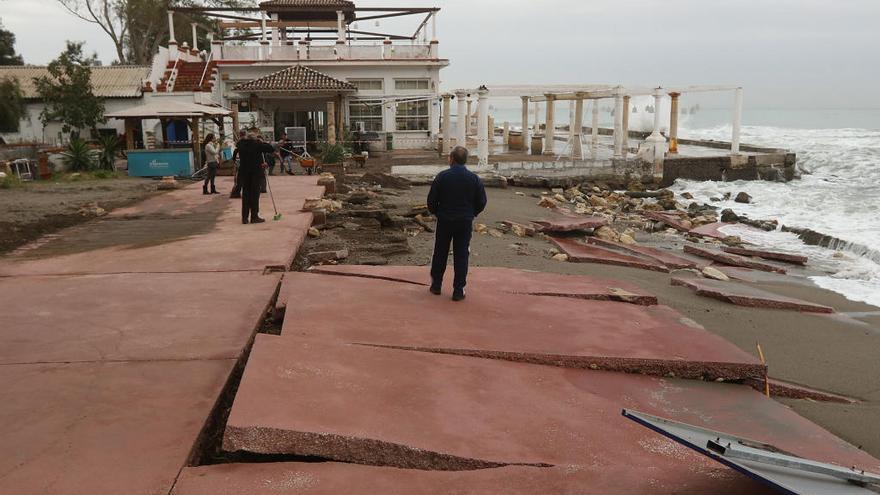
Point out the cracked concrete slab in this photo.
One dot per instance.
(182, 231)
(101, 428)
(731, 259)
(555, 331)
(767, 255)
(502, 279)
(578, 252)
(437, 412)
(662, 256)
(743, 295)
(569, 224)
(146, 316)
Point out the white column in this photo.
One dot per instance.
(626, 107)
(737, 120)
(195, 43)
(594, 131)
(577, 130)
(262, 26)
(550, 125)
(656, 140)
(434, 26)
(468, 120)
(505, 133)
(618, 123)
(461, 119)
(340, 27)
(171, 39)
(483, 126)
(525, 123)
(447, 114)
(276, 34)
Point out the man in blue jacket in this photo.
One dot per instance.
(457, 196)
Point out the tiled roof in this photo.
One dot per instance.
(115, 81)
(308, 4)
(295, 79)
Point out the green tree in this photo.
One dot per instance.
(11, 104)
(7, 48)
(67, 91)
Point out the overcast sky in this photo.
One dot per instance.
(786, 53)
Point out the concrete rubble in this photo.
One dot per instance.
(743, 295)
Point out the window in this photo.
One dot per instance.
(412, 116)
(367, 84)
(367, 111)
(243, 105)
(411, 84)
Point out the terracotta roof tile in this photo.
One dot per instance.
(295, 79)
(308, 4)
(115, 81)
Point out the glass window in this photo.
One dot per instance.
(367, 111)
(243, 105)
(367, 84)
(411, 84)
(412, 116)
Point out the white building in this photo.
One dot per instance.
(316, 64)
(120, 86)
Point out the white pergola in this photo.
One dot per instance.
(578, 94)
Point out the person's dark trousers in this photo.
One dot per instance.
(458, 233)
(250, 195)
(236, 187)
(209, 179)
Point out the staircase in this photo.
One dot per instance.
(188, 77)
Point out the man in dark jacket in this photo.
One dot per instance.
(251, 151)
(457, 196)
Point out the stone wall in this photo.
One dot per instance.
(778, 166)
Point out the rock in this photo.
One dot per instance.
(560, 198)
(351, 226)
(314, 233)
(328, 181)
(327, 256)
(519, 193)
(597, 201)
(373, 261)
(167, 183)
(726, 196)
(668, 203)
(480, 228)
(635, 186)
(607, 234)
(386, 180)
(715, 199)
(627, 239)
(687, 195)
(548, 202)
(742, 197)
(728, 216)
(732, 240)
(495, 181)
(496, 233)
(556, 190)
(519, 230)
(715, 274)
(321, 204)
(560, 257)
(93, 210)
(360, 197)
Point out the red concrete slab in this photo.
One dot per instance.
(767, 255)
(743, 295)
(556, 331)
(102, 428)
(131, 316)
(662, 256)
(730, 259)
(578, 252)
(182, 231)
(413, 410)
(670, 219)
(503, 279)
(569, 224)
(711, 230)
(335, 478)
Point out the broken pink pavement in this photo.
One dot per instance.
(579, 252)
(743, 295)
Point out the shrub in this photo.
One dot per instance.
(110, 145)
(79, 156)
(332, 153)
(10, 182)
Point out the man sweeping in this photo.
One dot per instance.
(457, 196)
(251, 175)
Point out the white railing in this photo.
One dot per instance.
(169, 84)
(284, 52)
(411, 52)
(205, 70)
(327, 52)
(240, 52)
(365, 52)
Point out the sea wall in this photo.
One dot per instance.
(776, 166)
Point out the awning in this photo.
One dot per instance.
(166, 109)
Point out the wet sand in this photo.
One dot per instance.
(835, 353)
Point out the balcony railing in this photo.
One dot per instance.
(287, 52)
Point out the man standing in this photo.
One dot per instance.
(457, 196)
(251, 151)
(236, 163)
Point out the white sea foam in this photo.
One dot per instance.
(840, 198)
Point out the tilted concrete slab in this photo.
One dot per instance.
(569, 224)
(182, 231)
(145, 316)
(413, 410)
(578, 252)
(743, 295)
(502, 279)
(102, 428)
(662, 256)
(730, 259)
(768, 255)
(670, 219)
(601, 476)
(555, 331)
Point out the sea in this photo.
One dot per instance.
(838, 194)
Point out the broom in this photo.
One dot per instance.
(272, 196)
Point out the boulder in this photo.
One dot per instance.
(687, 195)
(313, 232)
(728, 216)
(327, 256)
(548, 202)
(607, 234)
(480, 228)
(560, 257)
(742, 197)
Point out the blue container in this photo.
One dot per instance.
(160, 163)
(226, 154)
